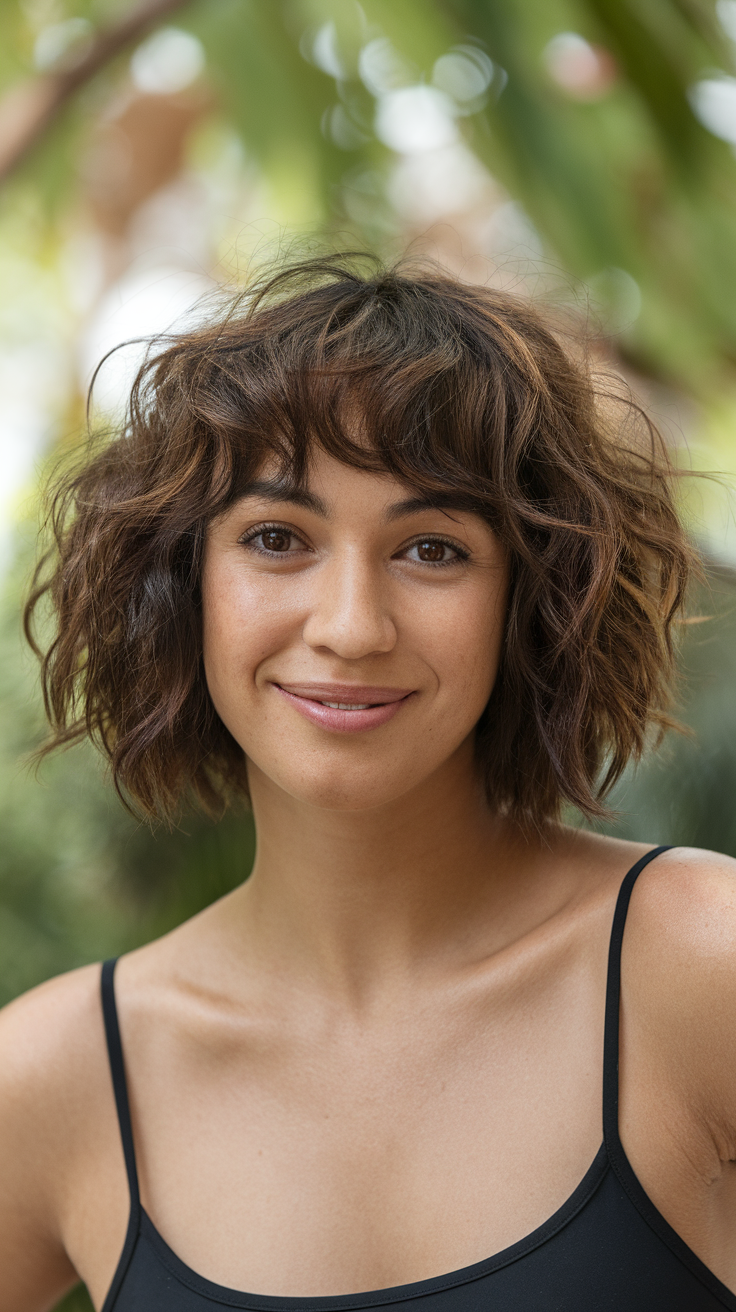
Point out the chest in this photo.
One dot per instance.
(329, 1156)
(303, 1154)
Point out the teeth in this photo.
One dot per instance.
(348, 706)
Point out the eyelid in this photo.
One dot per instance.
(462, 552)
(265, 526)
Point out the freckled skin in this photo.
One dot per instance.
(354, 599)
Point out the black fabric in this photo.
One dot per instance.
(606, 1248)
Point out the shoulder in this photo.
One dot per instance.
(684, 906)
(683, 901)
(41, 1027)
(56, 1109)
(679, 973)
(52, 1065)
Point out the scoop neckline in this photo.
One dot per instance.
(580, 1195)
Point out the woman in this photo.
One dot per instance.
(370, 550)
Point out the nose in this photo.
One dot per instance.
(348, 609)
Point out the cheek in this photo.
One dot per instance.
(464, 642)
(242, 624)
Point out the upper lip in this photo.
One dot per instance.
(345, 692)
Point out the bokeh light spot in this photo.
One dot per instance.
(415, 119)
(382, 68)
(60, 43)
(465, 74)
(713, 102)
(167, 62)
(581, 70)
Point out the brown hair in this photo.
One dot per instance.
(463, 393)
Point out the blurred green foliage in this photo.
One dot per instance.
(631, 180)
(625, 178)
(685, 793)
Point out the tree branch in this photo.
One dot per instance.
(29, 108)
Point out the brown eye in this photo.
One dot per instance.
(275, 539)
(431, 551)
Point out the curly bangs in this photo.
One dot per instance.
(459, 391)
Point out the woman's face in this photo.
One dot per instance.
(352, 633)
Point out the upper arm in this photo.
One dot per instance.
(677, 1075)
(44, 1042)
(679, 985)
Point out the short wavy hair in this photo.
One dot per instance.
(463, 393)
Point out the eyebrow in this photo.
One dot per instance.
(275, 490)
(412, 505)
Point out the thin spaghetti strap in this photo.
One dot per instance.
(613, 1003)
(117, 1071)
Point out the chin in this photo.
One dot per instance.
(346, 790)
(339, 797)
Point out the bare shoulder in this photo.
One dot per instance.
(679, 893)
(44, 1031)
(684, 906)
(55, 1109)
(679, 971)
(52, 1064)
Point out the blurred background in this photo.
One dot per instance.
(578, 152)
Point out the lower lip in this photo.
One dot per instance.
(327, 717)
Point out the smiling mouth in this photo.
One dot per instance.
(344, 708)
(343, 696)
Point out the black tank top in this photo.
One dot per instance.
(606, 1248)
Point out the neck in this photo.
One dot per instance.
(361, 898)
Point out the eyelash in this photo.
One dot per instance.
(249, 539)
(255, 532)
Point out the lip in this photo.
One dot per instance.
(308, 698)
